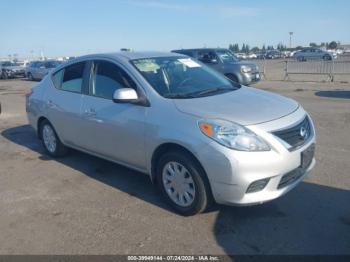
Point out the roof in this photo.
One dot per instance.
(135, 55)
(201, 48)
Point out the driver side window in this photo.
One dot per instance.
(206, 56)
(106, 78)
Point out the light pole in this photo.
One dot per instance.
(290, 39)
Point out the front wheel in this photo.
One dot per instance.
(30, 77)
(183, 183)
(327, 57)
(52, 144)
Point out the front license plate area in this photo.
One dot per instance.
(306, 156)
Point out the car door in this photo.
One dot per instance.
(113, 130)
(63, 102)
(36, 70)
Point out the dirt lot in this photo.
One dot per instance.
(84, 205)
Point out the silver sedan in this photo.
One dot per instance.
(199, 136)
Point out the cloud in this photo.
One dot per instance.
(221, 10)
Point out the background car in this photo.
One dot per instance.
(313, 53)
(37, 70)
(225, 62)
(273, 54)
(11, 69)
(241, 55)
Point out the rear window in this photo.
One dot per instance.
(184, 52)
(70, 78)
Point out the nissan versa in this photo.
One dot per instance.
(199, 136)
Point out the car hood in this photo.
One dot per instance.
(245, 106)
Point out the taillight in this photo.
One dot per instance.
(29, 93)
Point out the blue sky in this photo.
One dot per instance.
(76, 27)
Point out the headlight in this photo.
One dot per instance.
(246, 69)
(232, 135)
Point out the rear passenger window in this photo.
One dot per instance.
(108, 77)
(57, 78)
(70, 78)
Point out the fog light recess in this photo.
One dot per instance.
(258, 185)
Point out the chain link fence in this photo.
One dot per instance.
(310, 70)
(330, 69)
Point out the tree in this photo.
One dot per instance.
(247, 48)
(281, 47)
(263, 48)
(333, 45)
(234, 48)
(230, 47)
(313, 45)
(243, 48)
(255, 49)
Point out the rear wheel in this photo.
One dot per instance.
(50, 140)
(183, 183)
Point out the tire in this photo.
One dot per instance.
(197, 189)
(327, 57)
(30, 77)
(301, 59)
(4, 75)
(51, 142)
(232, 78)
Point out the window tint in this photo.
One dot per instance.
(51, 64)
(108, 77)
(57, 78)
(206, 56)
(73, 78)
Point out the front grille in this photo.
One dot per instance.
(297, 135)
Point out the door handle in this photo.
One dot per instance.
(50, 103)
(90, 112)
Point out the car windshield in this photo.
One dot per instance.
(226, 56)
(182, 77)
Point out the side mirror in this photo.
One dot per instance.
(125, 95)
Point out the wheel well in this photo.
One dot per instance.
(176, 147)
(232, 77)
(40, 120)
(167, 147)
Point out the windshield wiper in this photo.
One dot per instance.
(190, 95)
(214, 90)
(200, 93)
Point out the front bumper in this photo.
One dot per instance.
(250, 78)
(231, 172)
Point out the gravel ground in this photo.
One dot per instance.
(84, 205)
